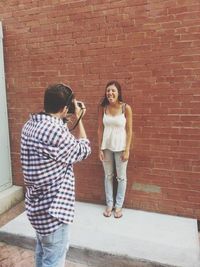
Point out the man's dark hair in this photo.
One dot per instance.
(56, 97)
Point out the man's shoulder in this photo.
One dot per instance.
(44, 129)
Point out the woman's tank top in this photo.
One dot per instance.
(114, 134)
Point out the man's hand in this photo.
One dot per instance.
(79, 110)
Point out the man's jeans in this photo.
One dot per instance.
(112, 160)
(51, 249)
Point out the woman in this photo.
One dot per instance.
(114, 136)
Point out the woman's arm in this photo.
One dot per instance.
(100, 131)
(129, 133)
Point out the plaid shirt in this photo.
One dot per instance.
(48, 151)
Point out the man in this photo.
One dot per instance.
(48, 152)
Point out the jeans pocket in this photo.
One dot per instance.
(55, 237)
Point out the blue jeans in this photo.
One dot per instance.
(111, 161)
(51, 249)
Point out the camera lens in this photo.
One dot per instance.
(71, 108)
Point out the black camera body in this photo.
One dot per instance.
(71, 108)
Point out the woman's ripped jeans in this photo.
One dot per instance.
(111, 161)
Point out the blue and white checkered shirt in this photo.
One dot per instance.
(48, 152)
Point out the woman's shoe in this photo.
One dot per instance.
(108, 212)
(118, 213)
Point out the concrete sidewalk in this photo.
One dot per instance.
(148, 238)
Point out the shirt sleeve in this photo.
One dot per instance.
(72, 150)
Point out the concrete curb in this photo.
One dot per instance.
(139, 238)
(83, 255)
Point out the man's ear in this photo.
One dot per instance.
(64, 110)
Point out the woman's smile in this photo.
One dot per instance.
(112, 93)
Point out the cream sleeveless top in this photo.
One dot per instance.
(114, 134)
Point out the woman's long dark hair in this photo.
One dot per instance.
(105, 101)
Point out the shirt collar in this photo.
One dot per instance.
(42, 116)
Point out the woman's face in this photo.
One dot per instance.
(112, 94)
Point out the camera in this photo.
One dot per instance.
(71, 108)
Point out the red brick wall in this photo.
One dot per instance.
(152, 47)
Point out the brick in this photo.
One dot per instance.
(152, 48)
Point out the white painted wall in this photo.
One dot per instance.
(5, 160)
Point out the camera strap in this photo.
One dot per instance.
(74, 126)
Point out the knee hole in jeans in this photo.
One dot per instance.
(120, 179)
(109, 176)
